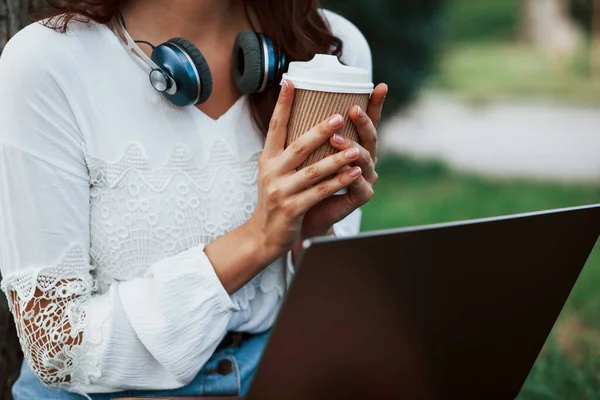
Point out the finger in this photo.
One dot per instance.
(276, 137)
(360, 192)
(301, 148)
(310, 197)
(334, 209)
(365, 161)
(376, 103)
(366, 130)
(321, 170)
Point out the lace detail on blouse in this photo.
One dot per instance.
(48, 306)
(140, 215)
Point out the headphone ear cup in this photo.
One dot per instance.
(248, 65)
(206, 82)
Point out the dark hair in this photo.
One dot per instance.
(296, 27)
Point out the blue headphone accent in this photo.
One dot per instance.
(256, 67)
(175, 62)
(276, 62)
(256, 63)
(271, 67)
(180, 72)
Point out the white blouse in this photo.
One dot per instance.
(108, 195)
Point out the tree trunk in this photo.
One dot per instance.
(547, 25)
(3, 24)
(11, 21)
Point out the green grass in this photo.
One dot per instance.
(483, 58)
(557, 377)
(499, 70)
(413, 193)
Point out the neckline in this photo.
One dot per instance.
(144, 68)
(238, 105)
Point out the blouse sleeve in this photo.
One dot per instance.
(161, 327)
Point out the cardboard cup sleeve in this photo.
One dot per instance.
(312, 107)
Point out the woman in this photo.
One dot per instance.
(146, 247)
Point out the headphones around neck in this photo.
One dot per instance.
(180, 72)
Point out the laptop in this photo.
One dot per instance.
(447, 311)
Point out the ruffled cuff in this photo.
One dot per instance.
(349, 226)
(290, 268)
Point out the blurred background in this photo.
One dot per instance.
(494, 108)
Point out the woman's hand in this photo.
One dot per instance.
(319, 220)
(283, 197)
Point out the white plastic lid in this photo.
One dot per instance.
(325, 73)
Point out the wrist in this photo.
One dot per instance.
(237, 257)
(263, 251)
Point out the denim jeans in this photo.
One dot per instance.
(216, 378)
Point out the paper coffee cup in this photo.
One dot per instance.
(323, 87)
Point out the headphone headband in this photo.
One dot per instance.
(133, 49)
(179, 71)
